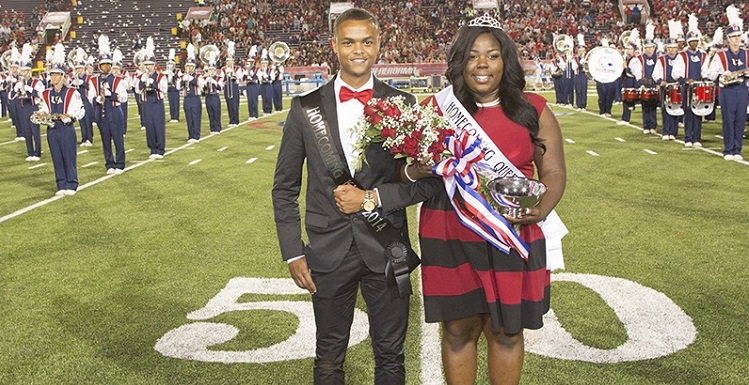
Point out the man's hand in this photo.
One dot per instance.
(349, 198)
(301, 275)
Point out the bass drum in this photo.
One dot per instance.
(605, 64)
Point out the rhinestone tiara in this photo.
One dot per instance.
(485, 21)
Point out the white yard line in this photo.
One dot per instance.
(651, 152)
(251, 160)
(222, 149)
(569, 141)
(591, 153)
(37, 166)
(89, 164)
(196, 161)
(619, 139)
(105, 177)
(270, 147)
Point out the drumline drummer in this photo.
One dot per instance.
(642, 69)
(690, 66)
(662, 75)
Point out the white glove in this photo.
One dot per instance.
(187, 78)
(107, 92)
(18, 87)
(149, 81)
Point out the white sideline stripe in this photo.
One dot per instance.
(222, 149)
(719, 137)
(651, 152)
(29, 208)
(569, 141)
(89, 164)
(105, 177)
(196, 161)
(270, 147)
(592, 153)
(620, 139)
(12, 141)
(126, 151)
(82, 152)
(251, 160)
(37, 166)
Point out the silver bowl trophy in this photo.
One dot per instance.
(516, 194)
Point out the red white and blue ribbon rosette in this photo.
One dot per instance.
(462, 185)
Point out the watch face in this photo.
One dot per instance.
(369, 205)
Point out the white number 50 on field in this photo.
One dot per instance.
(655, 326)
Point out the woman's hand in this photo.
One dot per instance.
(416, 171)
(532, 215)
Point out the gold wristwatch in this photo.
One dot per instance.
(369, 202)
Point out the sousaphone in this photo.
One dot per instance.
(5, 60)
(279, 52)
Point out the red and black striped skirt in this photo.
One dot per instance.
(463, 275)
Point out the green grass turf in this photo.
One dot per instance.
(89, 283)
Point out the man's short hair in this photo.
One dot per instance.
(355, 14)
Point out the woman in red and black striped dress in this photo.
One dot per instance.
(470, 286)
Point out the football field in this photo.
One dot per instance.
(170, 273)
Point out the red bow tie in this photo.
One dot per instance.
(347, 94)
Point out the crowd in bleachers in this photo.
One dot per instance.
(420, 31)
(413, 31)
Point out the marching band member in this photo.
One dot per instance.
(107, 92)
(642, 68)
(277, 86)
(690, 66)
(11, 80)
(731, 70)
(117, 71)
(3, 94)
(581, 77)
(251, 77)
(628, 79)
(172, 77)
(266, 89)
(229, 74)
(715, 45)
(212, 86)
(191, 83)
(66, 105)
(606, 91)
(24, 94)
(79, 81)
(663, 75)
(151, 88)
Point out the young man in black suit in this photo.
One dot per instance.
(343, 254)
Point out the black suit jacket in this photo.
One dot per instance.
(330, 232)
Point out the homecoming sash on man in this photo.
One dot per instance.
(400, 258)
(552, 227)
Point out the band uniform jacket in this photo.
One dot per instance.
(330, 232)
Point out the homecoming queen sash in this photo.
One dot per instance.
(495, 230)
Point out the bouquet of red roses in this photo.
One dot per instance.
(415, 132)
